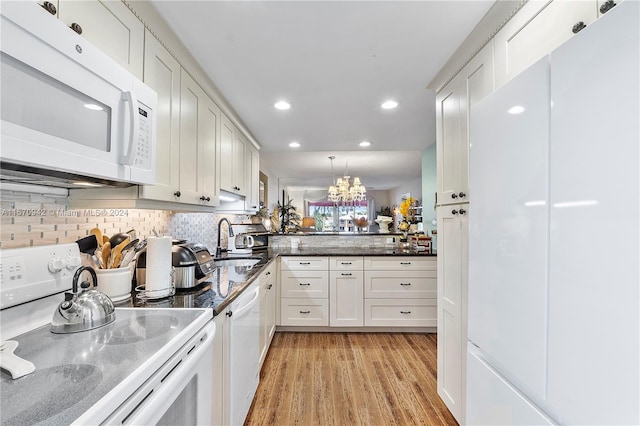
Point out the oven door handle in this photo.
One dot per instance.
(150, 402)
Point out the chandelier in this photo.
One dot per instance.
(342, 190)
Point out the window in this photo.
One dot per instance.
(337, 217)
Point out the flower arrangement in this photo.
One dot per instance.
(405, 208)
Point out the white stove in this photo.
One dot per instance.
(149, 366)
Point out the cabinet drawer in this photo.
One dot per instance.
(305, 264)
(305, 284)
(310, 312)
(400, 313)
(346, 263)
(400, 284)
(399, 263)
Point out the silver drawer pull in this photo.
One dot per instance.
(405, 283)
(305, 312)
(346, 263)
(305, 283)
(405, 312)
(346, 275)
(405, 263)
(305, 263)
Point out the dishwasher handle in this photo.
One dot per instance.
(242, 310)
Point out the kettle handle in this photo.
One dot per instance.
(79, 271)
(250, 240)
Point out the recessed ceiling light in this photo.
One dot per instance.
(294, 145)
(282, 105)
(365, 143)
(389, 104)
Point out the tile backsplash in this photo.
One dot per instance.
(33, 219)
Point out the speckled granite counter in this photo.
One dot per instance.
(226, 285)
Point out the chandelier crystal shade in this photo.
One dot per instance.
(342, 190)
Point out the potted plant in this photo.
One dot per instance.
(289, 218)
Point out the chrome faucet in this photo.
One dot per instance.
(219, 248)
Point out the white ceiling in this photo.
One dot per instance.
(335, 62)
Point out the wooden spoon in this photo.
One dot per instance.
(98, 233)
(116, 253)
(106, 253)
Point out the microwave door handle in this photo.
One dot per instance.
(133, 131)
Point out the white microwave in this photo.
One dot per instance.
(69, 112)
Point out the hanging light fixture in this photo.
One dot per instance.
(341, 190)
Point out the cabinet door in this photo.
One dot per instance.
(508, 244)
(220, 369)
(208, 137)
(595, 182)
(198, 115)
(252, 179)
(538, 28)
(239, 152)
(453, 103)
(162, 74)
(453, 253)
(227, 137)
(346, 298)
(111, 27)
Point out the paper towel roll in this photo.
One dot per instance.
(158, 273)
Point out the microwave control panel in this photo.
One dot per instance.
(143, 154)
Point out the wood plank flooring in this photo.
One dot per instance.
(349, 379)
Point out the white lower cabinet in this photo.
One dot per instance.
(346, 291)
(400, 291)
(267, 309)
(220, 369)
(353, 291)
(304, 291)
(400, 312)
(305, 311)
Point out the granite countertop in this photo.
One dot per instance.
(227, 283)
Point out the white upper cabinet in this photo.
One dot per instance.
(110, 26)
(252, 178)
(162, 74)
(536, 30)
(453, 102)
(199, 121)
(232, 165)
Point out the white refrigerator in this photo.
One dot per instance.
(554, 240)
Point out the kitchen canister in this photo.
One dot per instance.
(159, 279)
(115, 283)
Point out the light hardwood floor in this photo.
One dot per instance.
(349, 379)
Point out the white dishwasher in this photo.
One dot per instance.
(244, 355)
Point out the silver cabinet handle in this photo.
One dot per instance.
(304, 263)
(305, 283)
(305, 312)
(454, 195)
(346, 263)
(454, 212)
(405, 312)
(405, 263)
(462, 195)
(269, 286)
(346, 275)
(405, 283)
(462, 211)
